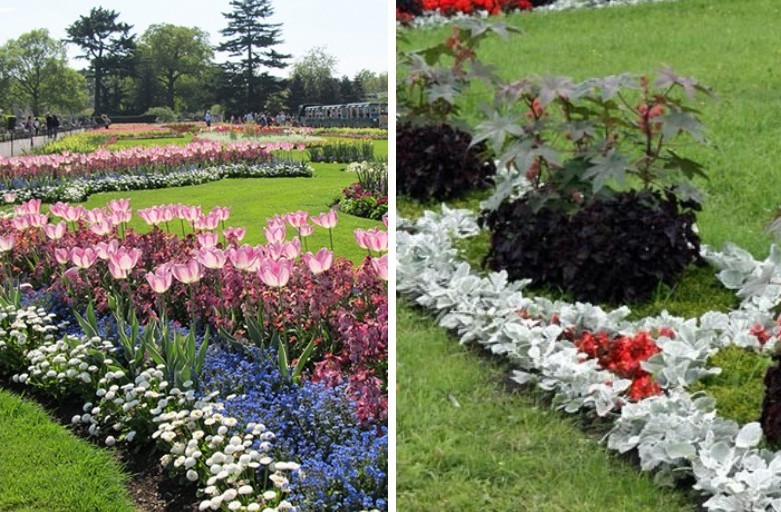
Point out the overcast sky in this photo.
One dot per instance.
(354, 31)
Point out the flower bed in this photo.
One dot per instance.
(368, 197)
(286, 407)
(675, 433)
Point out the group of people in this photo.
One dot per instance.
(262, 119)
(33, 126)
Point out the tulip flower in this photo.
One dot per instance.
(62, 255)
(95, 216)
(83, 258)
(326, 220)
(244, 258)
(55, 231)
(207, 239)
(104, 250)
(73, 213)
(116, 271)
(152, 216)
(222, 212)
(275, 273)
(385, 220)
(380, 266)
(234, 234)
(160, 281)
(119, 205)
(372, 240)
(188, 273)
(125, 259)
(7, 243)
(9, 197)
(306, 230)
(21, 223)
(38, 220)
(102, 228)
(274, 234)
(211, 257)
(297, 219)
(320, 262)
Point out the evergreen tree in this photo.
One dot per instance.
(106, 44)
(253, 40)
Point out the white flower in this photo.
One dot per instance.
(110, 441)
(234, 505)
(192, 475)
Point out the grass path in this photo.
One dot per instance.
(464, 444)
(43, 467)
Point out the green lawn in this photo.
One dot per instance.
(727, 45)
(254, 200)
(43, 467)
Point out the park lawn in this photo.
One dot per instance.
(45, 467)
(722, 44)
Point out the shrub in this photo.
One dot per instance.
(163, 114)
(438, 163)
(614, 250)
(342, 152)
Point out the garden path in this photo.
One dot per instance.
(18, 146)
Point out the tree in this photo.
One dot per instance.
(313, 73)
(253, 41)
(373, 84)
(37, 74)
(106, 44)
(174, 52)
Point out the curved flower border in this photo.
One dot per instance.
(676, 433)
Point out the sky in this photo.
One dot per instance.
(356, 32)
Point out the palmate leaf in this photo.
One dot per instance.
(476, 29)
(667, 78)
(688, 167)
(524, 152)
(606, 167)
(553, 87)
(497, 128)
(677, 121)
(446, 92)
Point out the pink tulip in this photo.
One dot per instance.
(95, 215)
(297, 219)
(83, 258)
(9, 197)
(160, 281)
(385, 220)
(21, 223)
(73, 213)
(119, 205)
(244, 258)
(117, 218)
(55, 231)
(38, 220)
(306, 230)
(274, 234)
(62, 255)
(116, 271)
(206, 222)
(31, 206)
(275, 273)
(152, 216)
(188, 273)
(320, 262)
(326, 220)
(168, 213)
(234, 234)
(211, 257)
(222, 212)
(7, 243)
(104, 250)
(102, 228)
(380, 265)
(207, 239)
(58, 209)
(125, 259)
(373, 239)
(276, 221)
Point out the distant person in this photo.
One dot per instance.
(208, 118)
(105, 120)
(55, 125)
(48, 125)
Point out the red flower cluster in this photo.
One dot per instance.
(623, 356)
(451, 7)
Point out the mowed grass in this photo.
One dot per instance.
(43, 467)
(465, 444)
(731, 46)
